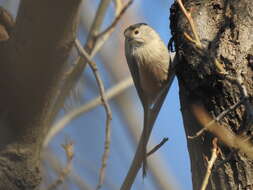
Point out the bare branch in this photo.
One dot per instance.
(227, 159)
(92, 46)
(104, 101)
(245, 95)
(218, 118)
(215, 153)
(118, 6)
(68, 147)
(157, 147)
(111, 93)
(98, 20)
(196, 39)
(227, 136)
(116, 20)
(103, 36)
(74, 73)
(56, 165)
(190, 20)
(38, 51)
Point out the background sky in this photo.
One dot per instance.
(88, 131)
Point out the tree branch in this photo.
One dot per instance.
(109, 94)
(41, 43)
(215, 153)
(37, 53)
(108, 111)
(69, 151)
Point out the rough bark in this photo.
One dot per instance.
(32, 60)
(225, 27)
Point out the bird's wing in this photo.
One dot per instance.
(134, 69)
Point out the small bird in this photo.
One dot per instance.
(149, 63)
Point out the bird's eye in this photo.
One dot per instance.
(136, 32)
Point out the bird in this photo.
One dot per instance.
(149, 61)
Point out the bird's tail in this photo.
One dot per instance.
(149, 119)
(150, 115)
(144, 145)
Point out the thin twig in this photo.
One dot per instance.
(227, 159)
(104, 101)
(196, 40)
(93, 45)
(69, 151)
(217, 119)
(109, 94)
(215, 153)
(98, 20)
(190, 20)
(157, 147)
(103, 36)
(248, 105)
(227, 136)
(198, 134)
(74, 72)
(238, 80)
(116, 20)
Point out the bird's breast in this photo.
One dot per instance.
(153, 64)
(153, 77)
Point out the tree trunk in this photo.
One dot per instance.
(225, 28)
(32, 60)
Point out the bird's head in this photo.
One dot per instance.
(139, 34)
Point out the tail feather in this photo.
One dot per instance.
(149, 120)
(144, 148)
(144, 164)
(150, 115)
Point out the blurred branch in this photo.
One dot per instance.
(92, 46)
(104, 101)
(72, 75)
(217, 119)
(118, 6)
(115, 21)
(68, 78)
(111, 93)
(224, 134)
(104, 35)
(56, 165)
(68, 147)
(98, 21)
(245, 95)
(245, 99)
(49, 32)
